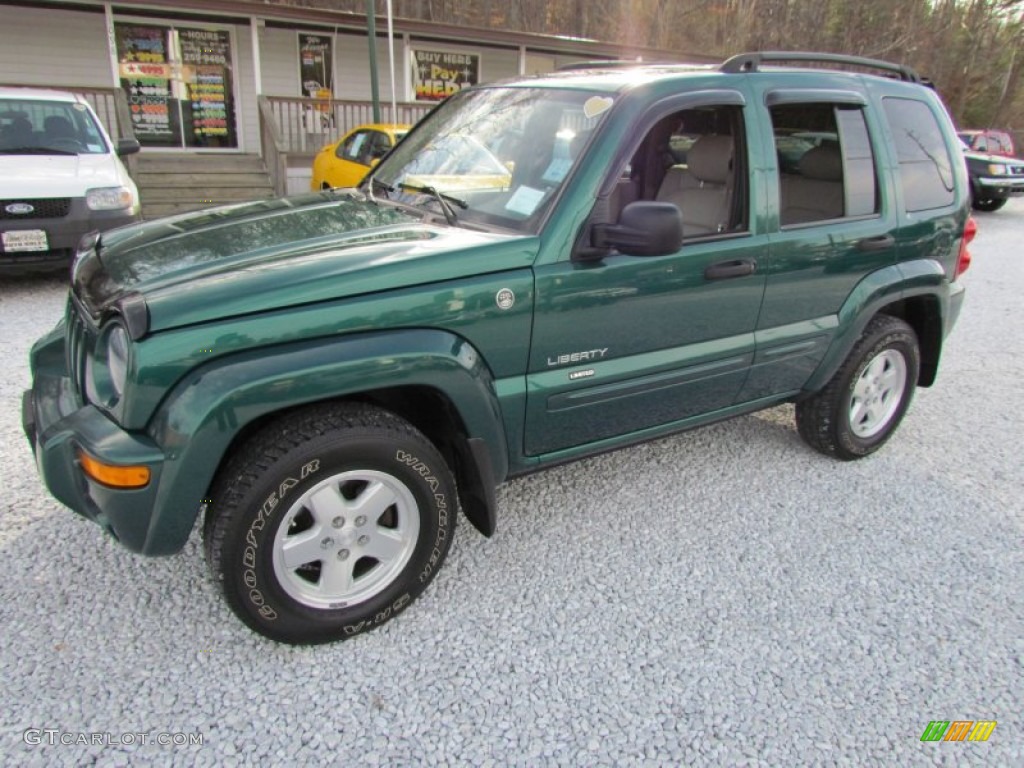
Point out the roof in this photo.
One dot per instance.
(609, 78)
(39, 94)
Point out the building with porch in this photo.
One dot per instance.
(230, 100)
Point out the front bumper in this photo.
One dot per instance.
(58, 426)
(1001, 186)
(62, 234)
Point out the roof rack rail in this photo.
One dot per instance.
(603, 64)
(749, 62)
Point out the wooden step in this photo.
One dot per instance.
(207, 196)
(198, 163)
(171, 183)
(147, 180)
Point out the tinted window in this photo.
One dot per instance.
(926, 170)
(826, 165)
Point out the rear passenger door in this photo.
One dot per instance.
(834, 224)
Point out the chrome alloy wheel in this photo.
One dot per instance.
(346, 539)
(877, 393)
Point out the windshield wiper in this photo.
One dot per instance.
(35, 151)
(443, 200)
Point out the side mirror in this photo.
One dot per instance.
(127, 147)
(645, 228)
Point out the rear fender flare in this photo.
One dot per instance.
(872, 295)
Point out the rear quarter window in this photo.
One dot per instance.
(926, 169)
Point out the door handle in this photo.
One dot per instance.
(880, 243)
(723, 270)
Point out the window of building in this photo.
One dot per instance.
(179, 85)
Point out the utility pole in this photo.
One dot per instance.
(371, 31)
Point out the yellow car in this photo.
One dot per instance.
(345, 162)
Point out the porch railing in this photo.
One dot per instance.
(308, 124)
(275, 150)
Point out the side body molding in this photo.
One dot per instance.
(198, 421)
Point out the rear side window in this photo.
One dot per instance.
(826, 165)
(926, 169)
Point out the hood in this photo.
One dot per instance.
(47, 176)
(990, 158)
(272, 254)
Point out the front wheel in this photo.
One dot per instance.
(988, 204)
(329, 522)
(865, 401)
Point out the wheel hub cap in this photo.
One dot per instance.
(877, 393)
(346, 539)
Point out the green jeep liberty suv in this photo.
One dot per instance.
(542, 270)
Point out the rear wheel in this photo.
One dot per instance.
(329, 522)
(865, 401)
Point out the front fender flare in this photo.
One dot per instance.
(198, 421)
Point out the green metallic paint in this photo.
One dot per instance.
(257, 308)
(878, 290)
(204, 413)
(461, 305)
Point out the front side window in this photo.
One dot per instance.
(496, 156)
(29, 126)
(695, 159)
(354, 147)
(926, 169)
(826, 165)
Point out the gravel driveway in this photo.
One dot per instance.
(723, 597)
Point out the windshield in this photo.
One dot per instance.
(498, 155)
(30, 126)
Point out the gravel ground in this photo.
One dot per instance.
(722, 597)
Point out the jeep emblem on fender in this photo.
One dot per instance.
(505, 298)
(19, 209)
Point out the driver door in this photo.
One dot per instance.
(627, 344)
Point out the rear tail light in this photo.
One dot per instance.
(963, 260)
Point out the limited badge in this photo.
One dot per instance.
(505, 298)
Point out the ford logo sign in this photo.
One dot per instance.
(19, 209)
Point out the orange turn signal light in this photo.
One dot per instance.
(116, 476)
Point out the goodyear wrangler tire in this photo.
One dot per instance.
(328, 523)
(863, 404)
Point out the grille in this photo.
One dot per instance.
(76, 342)
(1017, 170)
(51, 208)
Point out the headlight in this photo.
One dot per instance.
(997, 170)
(107, 369)
(117, 359)
(109, 198)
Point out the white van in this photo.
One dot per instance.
(60, 177)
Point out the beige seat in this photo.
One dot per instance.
(703, 188)
(816, 194)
